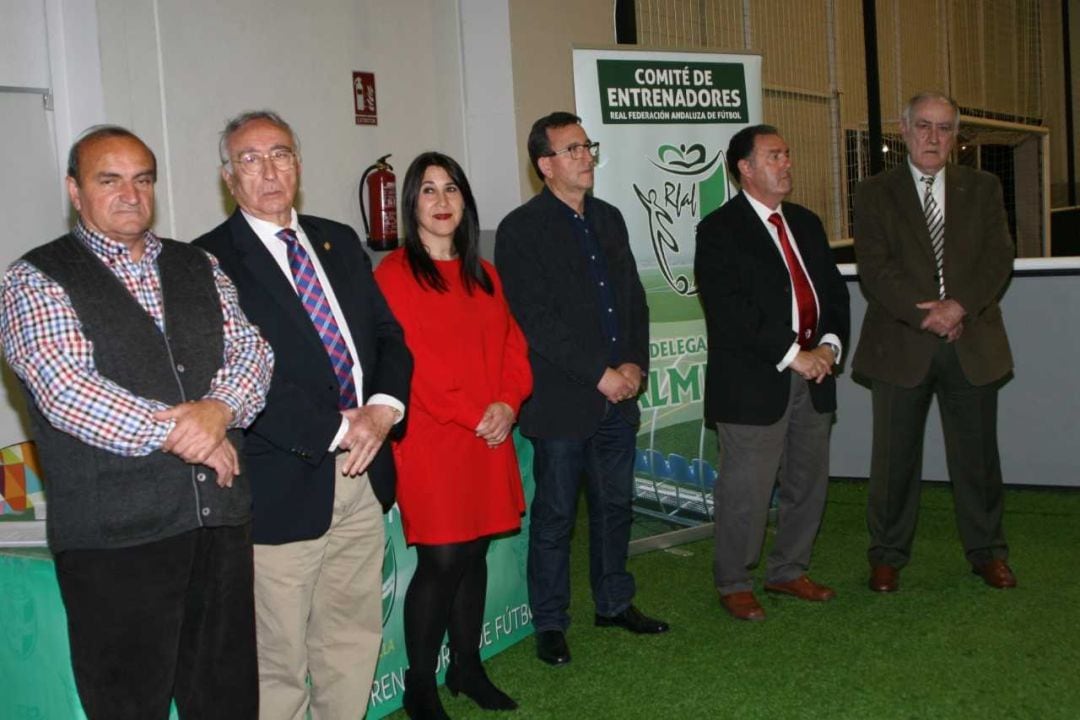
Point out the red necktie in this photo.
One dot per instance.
(804, 293)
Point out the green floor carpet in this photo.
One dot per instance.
(945, 646)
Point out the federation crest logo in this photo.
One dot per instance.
(691, 185)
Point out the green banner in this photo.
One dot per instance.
(654, 91)
(507, 617)
(663, 121)
(35, 661)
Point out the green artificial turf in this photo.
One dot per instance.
(944, 646)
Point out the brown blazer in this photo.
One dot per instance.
(896, 271)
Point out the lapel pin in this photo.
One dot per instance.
(326, 246)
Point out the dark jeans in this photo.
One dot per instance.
(173, 618)
(606, 459)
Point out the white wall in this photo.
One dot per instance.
(48, 50)
(175, 70)
(490, 129)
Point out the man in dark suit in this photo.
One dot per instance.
(572, 285)
(934, 255)
(341, 378)
(776, 313)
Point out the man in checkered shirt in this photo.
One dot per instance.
(140, 369)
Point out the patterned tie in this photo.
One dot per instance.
(804, 293)
(935, 223)
(314, 299)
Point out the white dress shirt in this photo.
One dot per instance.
(764, 212)
(937, 190)
(267, 234)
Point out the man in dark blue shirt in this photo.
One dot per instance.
(572, 284)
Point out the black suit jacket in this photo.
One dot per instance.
(745, 291)
(285, 448)
(546, 281)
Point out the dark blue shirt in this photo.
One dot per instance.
(598, 275)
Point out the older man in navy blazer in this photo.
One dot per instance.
(776, 312)
(339, 385)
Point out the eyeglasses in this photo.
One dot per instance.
(251, 162)
(578, 150)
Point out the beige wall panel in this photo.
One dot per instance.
(1030, 92)
(791, 38)
(804, 123)
(966, 58)
(888, 14)
(1074, 33)
(923, 59)
(542, 35)
(851, 62)
(690, 23)
(1000, 59)
(1053, 79)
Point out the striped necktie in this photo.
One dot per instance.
(935, 223)
(318, 309)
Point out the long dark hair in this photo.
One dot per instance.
(466, 236)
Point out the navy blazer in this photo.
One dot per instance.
(546, 281)
(285, 449)
(745, 291)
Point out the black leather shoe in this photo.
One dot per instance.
(421, 698)
(466, 674)
(633, 620)
(551, 647)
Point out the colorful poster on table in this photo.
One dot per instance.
(663, 121)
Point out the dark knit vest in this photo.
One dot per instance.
(98, 499)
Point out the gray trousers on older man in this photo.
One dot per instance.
(751, 456)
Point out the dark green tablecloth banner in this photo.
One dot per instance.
(35, 665)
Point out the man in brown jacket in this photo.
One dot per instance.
(934, 255)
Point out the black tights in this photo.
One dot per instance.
(446, 594)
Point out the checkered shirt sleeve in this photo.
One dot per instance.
(44, 343)
(244, 377)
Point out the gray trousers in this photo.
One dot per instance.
(797, 446)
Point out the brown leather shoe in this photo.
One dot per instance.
(884, 578)
(743, 606)
(803, 588)
(996, 574)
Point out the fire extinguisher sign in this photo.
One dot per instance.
(364, 98)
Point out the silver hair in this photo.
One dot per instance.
(905, 116)
(236, 123)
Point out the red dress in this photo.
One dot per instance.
(468, 353)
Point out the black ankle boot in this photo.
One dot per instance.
(466, 674)
(421, 699)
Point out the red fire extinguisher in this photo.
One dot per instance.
(382, 199)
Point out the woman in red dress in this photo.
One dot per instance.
(458, 479)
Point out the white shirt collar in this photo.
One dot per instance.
(918, 175)
(762, 211)
(267, 230)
